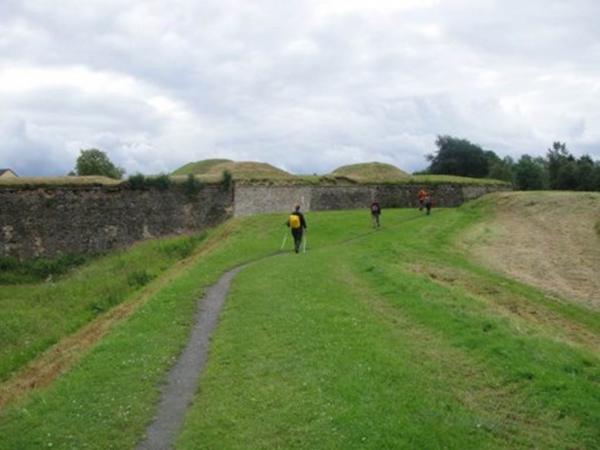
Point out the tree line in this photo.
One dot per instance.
(558, 169)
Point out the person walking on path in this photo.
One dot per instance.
(428, 203)
(421, 196)
(375, 213)
(297, 225)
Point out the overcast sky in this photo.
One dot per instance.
(305, 85)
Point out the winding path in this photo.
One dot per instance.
(182, 380)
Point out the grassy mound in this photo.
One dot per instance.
(249, 170)
(199, 167)
(370, 172)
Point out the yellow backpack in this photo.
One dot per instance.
(294, 221)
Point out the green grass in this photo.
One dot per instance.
(35, 182)
(13, 271)
(373, 171)
(351, 345)
(33, 316)
(345, 347)
(199, 167)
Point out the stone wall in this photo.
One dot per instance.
(73, 220)
(88, 219)
(252, 199)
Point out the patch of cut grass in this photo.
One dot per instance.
(342, 348)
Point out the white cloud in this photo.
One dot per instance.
(305, 85)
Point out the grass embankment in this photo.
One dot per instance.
(34, 316)
(375, 340)
(546, 239)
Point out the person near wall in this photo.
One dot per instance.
(428, 203)
(375, 213)
(297, 225)
(421, 196)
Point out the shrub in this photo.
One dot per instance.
(137, 181)
(191, 186)
(161, 182)
(227, 181)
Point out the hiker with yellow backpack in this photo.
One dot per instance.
(297, 225)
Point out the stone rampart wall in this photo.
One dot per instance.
(88, 219)
(74, 220)
(252, 199)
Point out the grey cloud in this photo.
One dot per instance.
(279, 83)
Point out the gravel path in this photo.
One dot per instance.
(182, 380)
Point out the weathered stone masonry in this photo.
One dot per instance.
(87, 219)
(252, 199)
(74, 220)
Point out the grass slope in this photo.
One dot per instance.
(373, 171)
(35, 316)
(388, 339)
(547, 239)
(199, 167)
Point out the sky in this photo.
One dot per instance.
(304, 85)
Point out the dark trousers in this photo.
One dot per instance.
(297, 233)
(375, 219)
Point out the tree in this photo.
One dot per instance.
(95, 162)
(529, 173)
(584, 173)
(561, 167)
(458, 157)
(500, 169)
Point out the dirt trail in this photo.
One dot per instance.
(546, 239)
(182, 380)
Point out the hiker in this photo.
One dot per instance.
(428, 203)
(297, 224)
(421, 196)
(375, 213)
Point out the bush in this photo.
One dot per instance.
(138, 181)
(227, 181)
(191, 186)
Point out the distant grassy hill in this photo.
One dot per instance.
(371, 171)
(240, 170)
(199, 167)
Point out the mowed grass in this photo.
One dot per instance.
(348, 346)
(372, 339)
(107, 398)
(34, 316)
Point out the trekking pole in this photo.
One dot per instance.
(304, 245)
(284, 241)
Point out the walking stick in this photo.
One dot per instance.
(284, 241)
(304, 245)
